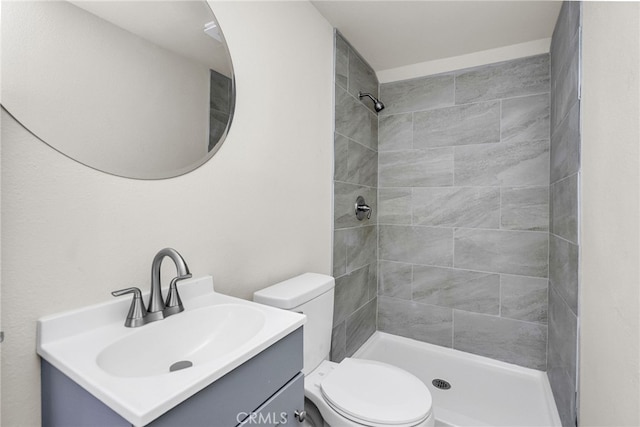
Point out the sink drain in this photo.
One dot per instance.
(183, 364)
(441, 384)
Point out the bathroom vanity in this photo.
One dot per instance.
(253, 380)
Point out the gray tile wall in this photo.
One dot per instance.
(355, 252)
(563, 212)
(463, 209)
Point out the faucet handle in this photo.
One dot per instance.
(173, 304)
(137, 311)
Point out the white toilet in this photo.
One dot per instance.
(354, 392)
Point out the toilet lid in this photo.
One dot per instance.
(376, 393)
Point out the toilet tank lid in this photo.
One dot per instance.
(295, 291)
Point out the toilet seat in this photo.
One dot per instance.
(376, 394)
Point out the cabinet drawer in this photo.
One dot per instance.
(279, 410)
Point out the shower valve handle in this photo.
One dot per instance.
(362, 209)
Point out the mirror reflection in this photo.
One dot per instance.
(140, 89)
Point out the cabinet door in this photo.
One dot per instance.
(280, 409)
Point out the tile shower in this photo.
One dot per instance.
(472, 176)
(355, 250)
(562, 356)
(463, 210)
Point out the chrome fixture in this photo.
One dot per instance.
(300, 415)
(362, 209)
(173, 303)
(157, 308)
(137, 312)
(379, 106)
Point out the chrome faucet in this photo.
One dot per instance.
(157, 309)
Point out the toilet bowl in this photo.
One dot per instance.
(357, 392)
(354, 392)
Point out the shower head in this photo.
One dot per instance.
(379, 106)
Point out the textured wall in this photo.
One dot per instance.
(355, 173)
(563, 213)
(610, 208)
(70, 235)
(463, 209)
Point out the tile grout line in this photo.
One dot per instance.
(454, 104)
(453, 327)
(463, 269)
(500, 296)
(500, 119)
(465, 146)
(551, 233)
(565, 178)
(549, 208)
(501, 210)
(355, 141)
(475, 313)
(446, 227)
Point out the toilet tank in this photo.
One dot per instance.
(312, 295)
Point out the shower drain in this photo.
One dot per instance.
(441, 384)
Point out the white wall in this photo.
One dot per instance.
(70, 234)
(610, 206)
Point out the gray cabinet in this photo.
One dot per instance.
(264, 391)
(277, 410)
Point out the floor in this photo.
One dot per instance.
(484, 392)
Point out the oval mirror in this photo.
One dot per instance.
(139, 89)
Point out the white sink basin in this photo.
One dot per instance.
(198, 337)
(129, 369)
